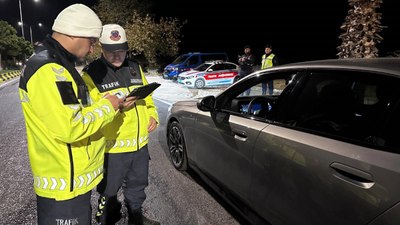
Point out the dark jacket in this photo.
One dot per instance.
(246, 65)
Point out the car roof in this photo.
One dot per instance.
(380, 65)
(213, 62)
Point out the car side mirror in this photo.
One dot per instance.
(207, 103)
(209, 70)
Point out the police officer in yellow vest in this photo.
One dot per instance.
(65, 145)
(127, 156)
(268, 60)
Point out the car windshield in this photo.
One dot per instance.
(180, 59)
(202, 67)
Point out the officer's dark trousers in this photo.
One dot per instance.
(129, 171)
(267, 86)
(76, 211)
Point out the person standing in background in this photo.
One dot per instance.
(65, 145)
(268, 60)
(127, 157)
(246, 63)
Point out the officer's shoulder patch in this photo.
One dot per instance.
(67, 93)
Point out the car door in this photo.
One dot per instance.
(226, 75)
(224, 146)
(211, 75)
(225, 137)
(328, 167)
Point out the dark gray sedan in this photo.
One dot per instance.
(323, 148)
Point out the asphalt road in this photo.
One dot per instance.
(173, 198)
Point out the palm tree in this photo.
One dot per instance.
(361, 30)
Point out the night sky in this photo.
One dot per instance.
(297, 30)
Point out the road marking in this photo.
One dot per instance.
(163, 101)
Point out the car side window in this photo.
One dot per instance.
(340, 104)
(217, 67)
(193, 60)
(212, 68)
(256, 104)
(390, 137)
(229, 66)
(278, 85)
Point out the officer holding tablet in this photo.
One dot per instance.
(126, 162)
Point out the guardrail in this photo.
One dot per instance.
(9, 75)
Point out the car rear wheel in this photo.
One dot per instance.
(199, 83)
(177, 147)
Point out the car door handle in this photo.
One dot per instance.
(352, 175)
(240, 135)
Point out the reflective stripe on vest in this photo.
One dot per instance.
(90, 117)
(60, 184)
(126, 143)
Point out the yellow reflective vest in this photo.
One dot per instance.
(266, 62)
(65, 145)
(128, 131)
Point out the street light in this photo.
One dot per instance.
(30, 30)
(20, 16)
(22, 21)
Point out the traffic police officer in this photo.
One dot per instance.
(268, 60)
(127, 156)
(65, 145)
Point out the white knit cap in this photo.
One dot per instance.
(78, 20)
(113, 38)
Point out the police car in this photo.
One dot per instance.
(209, 74)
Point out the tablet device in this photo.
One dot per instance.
(143, 91)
